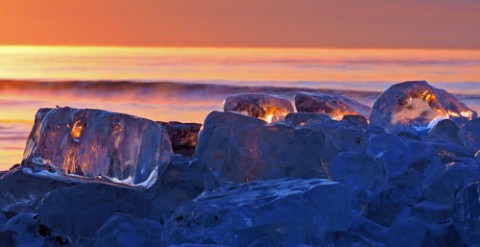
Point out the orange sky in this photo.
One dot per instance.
(270, 23)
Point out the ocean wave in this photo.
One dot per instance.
(191, 94)
(175, 88)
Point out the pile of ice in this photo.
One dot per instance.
(408, 174)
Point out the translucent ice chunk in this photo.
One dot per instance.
(470, 135)
(300, 118)
(98, 146)
(336, 106)
(407, 232)
(287, 212)
(466, 214)
(357, 171)
(445, 130)
(240, 148)
(124, 230)
(416, 104)
(183, 136)
(270, 108)
(392, 151)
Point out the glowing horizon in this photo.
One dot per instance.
(243, 23)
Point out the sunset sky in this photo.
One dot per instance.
(265, 23)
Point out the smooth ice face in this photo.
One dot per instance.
(396, 155)
(445, 130)
(300, 118)
(416, 104)
(336, 106)
(97, 146)
(270, 108)
(466, 214)
(357, 171)
(240, 148)
(287, 212)
(470, 135)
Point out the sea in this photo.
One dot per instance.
(185, 84)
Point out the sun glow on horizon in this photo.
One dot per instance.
(280, 65)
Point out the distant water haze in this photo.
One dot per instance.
(185, 84)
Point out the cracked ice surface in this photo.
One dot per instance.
(417, 104)
(98, 146)
(336, 106)
(270, 108)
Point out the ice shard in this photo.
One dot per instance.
(96, 146)
(270, 108)
(417, 104)
(336, 106)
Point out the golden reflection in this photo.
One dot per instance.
(467, 114)
(269, 117)
(429, 97)
(77, 130)
(452, 114)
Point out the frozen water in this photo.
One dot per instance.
(355, 121)
(351, 239)
(408, 232)
(97, 146)
(125, 230)
(470, 134)
(183, 136)
(340, 137)
(392, 201)
(357, 171)
(466, 214)
(392, 151)
(23, 192)
(336, 106)
(372, 131)
(284, 212)
(79, 210)
(300, 118)
(432, 212)
(415, 232)
(443, 234)
(367, 228)
(240, 148)
(430, 156)
(445, 130)
(23, 229)
(416, 104)
(442, 185)
(271, 108)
